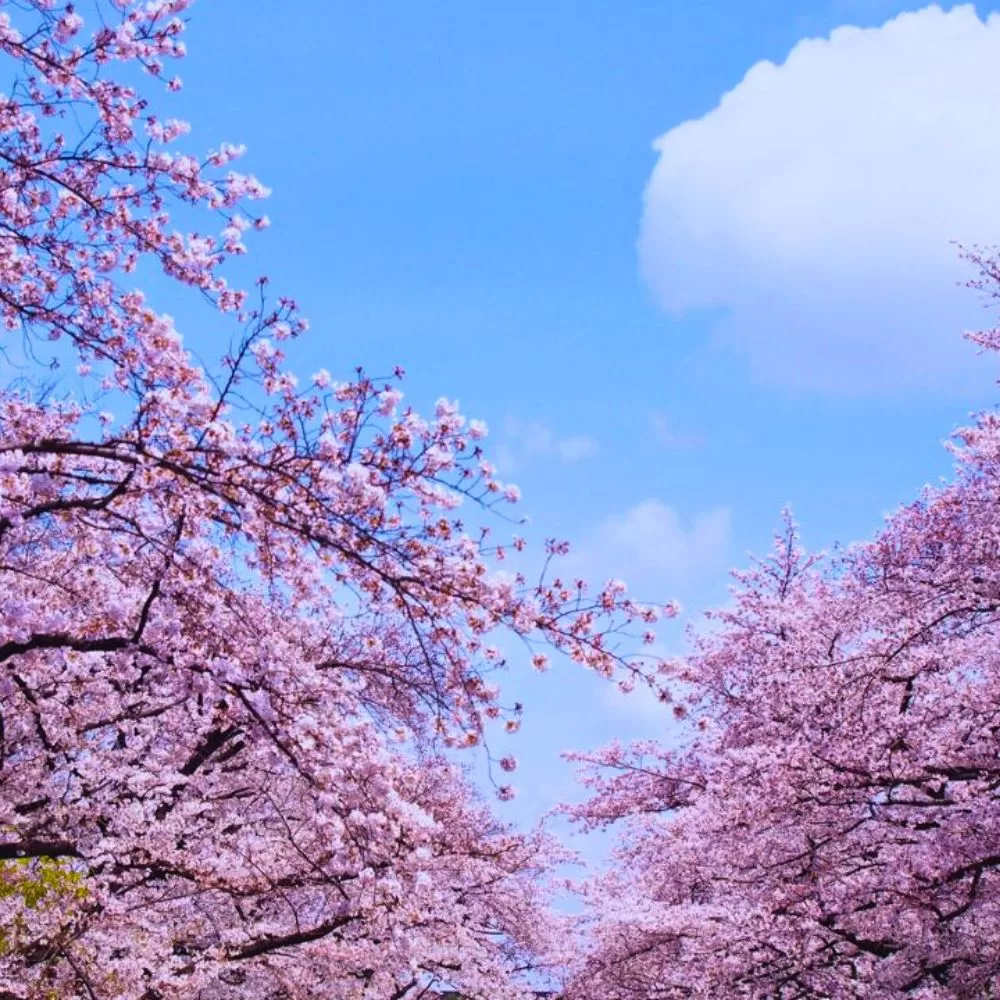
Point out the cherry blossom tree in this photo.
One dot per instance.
(242, 621)
(828, 826)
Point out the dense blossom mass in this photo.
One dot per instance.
(830, 828)
(244, 625)
(241, 620)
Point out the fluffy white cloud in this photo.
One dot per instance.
(816, 204)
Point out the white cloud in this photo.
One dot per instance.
(653, 550)
(529, 439)
(815, 204)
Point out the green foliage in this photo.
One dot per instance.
(34, 884)
(38, 879)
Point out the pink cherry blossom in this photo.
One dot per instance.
(242, 622)
(827, 826)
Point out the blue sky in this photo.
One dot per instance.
(458, 188)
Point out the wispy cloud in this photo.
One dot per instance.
(524, 440)
(668, 436)
(654, 550)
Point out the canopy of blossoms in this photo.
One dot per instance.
(241, 619)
